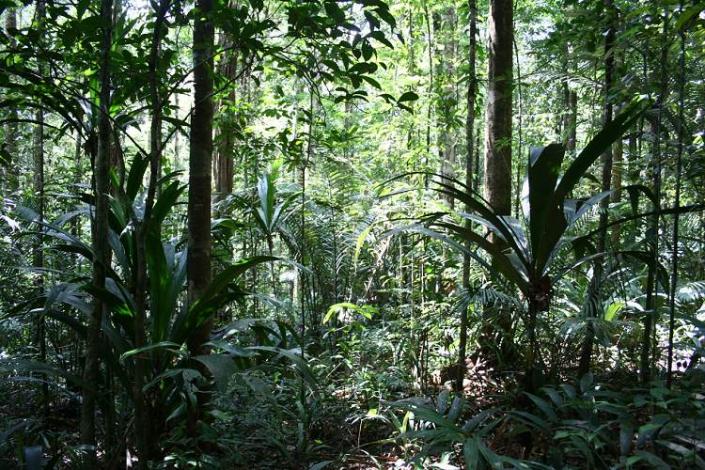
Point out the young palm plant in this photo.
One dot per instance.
(526, 254)
(269, 214)
(171, 374)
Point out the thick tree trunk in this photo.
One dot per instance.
(497, 177)
(498, 135)
(101, 246)
(469, 177)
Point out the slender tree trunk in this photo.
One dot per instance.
(38, 250)
(38, 190)
(303, 181)
(446, 23)
(11, 127)
(469, 177)
(411, 65)
(431, 85)
(570, 113)
(101, 247)
(518, 170)
(617, 158)
(572, 122)
(651, 305)
(607, 159)
(200, 158)
(226, 136)
(617, 183)
(145, 432)
(677, 203)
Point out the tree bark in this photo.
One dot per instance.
(226, 137)
(200, 159)
(101, 246)
(38, 194)
(469, 177)
(651, 305)
(617, 183)
(676, 218)
(570, 113)
(498, 135)
(497, 176)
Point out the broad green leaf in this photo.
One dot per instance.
(408, 96)
(165, 345)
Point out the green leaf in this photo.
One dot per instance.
(167, 345)
(135, 176)
(360, 242)
(546, 218)
(13, 366)
(471, 452)
(613, 310)
(408, 96)
(653, 460)
(294, 357)
(166, 202)
(379, 35)
(544, 406)
(691, 12)
(336, 308)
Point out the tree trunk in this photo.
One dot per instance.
(617, 183)
(651, 280)
(469, 177)
(101, 246)
(498, 136)
(676, 218)
(200, 158)
(497, 175)
(651, 305)
(11, 127)
(607, 158)
(431, 84)
(144, 427)
(226, 135)
(447, 101)
(572, 134)
(38, 194)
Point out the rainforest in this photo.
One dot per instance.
(352, 234)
